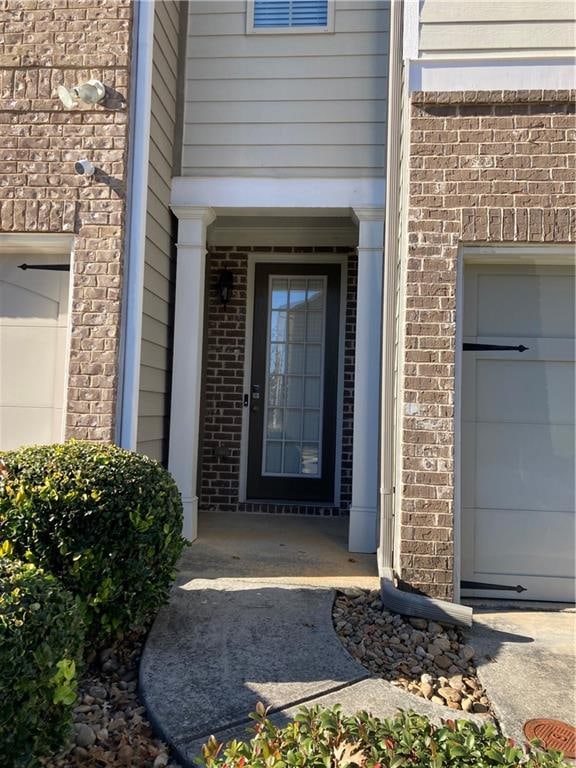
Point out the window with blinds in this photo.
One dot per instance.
(296, 15)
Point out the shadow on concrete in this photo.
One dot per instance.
(250, 620)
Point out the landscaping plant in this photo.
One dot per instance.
(41, 639)
(325, 738)
(104, 520)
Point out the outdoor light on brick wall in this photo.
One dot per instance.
(90, 92)
(225, 286)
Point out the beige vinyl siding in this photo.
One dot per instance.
(456, 28)
(156, 352)
(285, 104)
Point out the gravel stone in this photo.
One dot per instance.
(84, 736)
(428, 659)
(110, 727)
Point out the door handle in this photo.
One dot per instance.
(255, 397)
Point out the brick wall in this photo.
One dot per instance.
(223, 385)
(45, 43)
(485, 167)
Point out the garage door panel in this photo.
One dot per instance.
(517, 448)
(525, 391)
(25, 351)
(33, 341)
(524, 466)
(525, 305)
(22, 305)
(504, 543)
(27, 426)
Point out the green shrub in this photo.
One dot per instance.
(324, 738)
(41, 637)
(104, 520)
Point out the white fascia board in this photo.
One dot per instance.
(491, 74)
(243, 195)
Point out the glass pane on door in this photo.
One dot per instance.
(294, 376)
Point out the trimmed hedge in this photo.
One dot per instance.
(324, 738)
(105, 521)
(41, 639)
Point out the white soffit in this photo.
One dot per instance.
(492, 74)
(292, 196)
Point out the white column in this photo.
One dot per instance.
(365, 460)
(187, 364)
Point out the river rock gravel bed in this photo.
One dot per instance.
(110, 729)
(428, 659)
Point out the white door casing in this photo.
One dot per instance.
(33, 350)
(518, 431)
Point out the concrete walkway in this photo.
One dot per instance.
(526, 660)
(249, 620)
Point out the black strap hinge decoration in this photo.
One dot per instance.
(481, 585)
(492, 347)
(51, 267)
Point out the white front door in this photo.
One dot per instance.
(33, 340)
(518, 501)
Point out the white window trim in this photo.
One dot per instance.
(252, 30)
(267, 406)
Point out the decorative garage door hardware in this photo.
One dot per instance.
(481, 585)
(492, 347)
(52, 267)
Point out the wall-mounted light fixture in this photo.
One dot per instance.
(90, 92)
(225, 286)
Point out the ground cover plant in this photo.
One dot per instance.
(41, 643)
(105, 521)
(325, 738)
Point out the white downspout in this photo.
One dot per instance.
(402, 602)
(136, 207)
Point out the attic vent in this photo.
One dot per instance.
(290, 13)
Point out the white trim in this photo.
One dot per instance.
(489, 74)
(318, 30)
(521, 253)
(457, 527)
(187, 364)
(363, 530)
(543, 254)
(68, 345)
(131, 338)
(268, 341)
(292, 258)
(291, 196)
(411, 29)
(28, 243)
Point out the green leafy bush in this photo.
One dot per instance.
(324, 738)
(41, 637)
(104, 520)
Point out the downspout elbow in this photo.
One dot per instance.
(420, 606)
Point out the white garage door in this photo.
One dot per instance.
(518, 501)
(33, 338)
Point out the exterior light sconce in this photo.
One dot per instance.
(225, 286)
(90, 92)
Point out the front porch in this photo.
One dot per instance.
(309, 551)
(275, 388)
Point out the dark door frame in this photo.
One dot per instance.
(295, 259)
